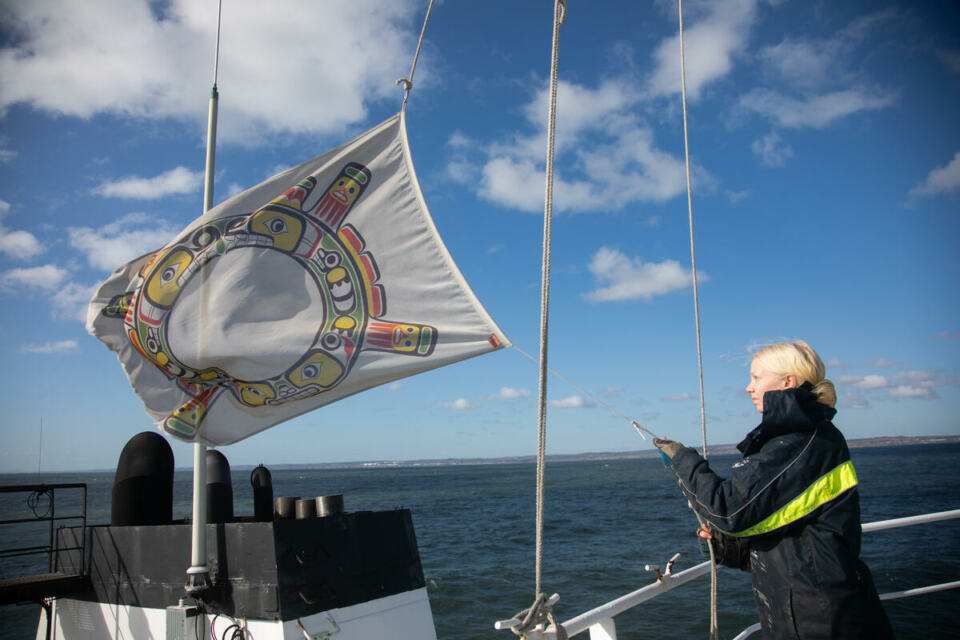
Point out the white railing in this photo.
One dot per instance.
(600, 621)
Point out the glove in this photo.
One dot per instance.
(668, 448)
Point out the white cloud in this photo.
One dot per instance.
(853, 400)
(821, 73)
(47, 277)
(815, 62)
(872, 382)
(460, 404)
(837, 363)
(907, 384)
(17, 244)
(816, 111)
(137, 58)
(915, 377)
(802, 62)
(509, 393)
(623, 278)
(911, 392)
(736, 196)
(234, 189)
(879, 363)
(600, 140)
(62, 346)
(710, 46)
(677, 397)
(71, 300)
(119, 242)
(396, 386)
(821, 83)
(570, 402)
(177, 181)
(940, 180)
(20, 244)
(771, 150)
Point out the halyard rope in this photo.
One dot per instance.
(714, 628)
(408, 82)
(559, 13)
(640, 428)
(216, 57)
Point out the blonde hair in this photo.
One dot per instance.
(799, 359)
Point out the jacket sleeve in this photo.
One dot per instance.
(759, 485)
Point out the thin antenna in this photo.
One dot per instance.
(40, 450)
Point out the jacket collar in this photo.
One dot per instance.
(786, 411)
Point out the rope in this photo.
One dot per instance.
(540, 614)
(714, 627)
(216, 58)
(408, 82)
(559, 13)
(644, 432)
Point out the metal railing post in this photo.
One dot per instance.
(605, 629)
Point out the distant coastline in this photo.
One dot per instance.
(721, 449)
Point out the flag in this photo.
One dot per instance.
(325, 280)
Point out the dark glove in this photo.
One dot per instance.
(668, 449)
(731, 552)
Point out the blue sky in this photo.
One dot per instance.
(826, 177)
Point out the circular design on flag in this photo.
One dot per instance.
(216, 306)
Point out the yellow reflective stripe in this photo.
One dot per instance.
(825, 489)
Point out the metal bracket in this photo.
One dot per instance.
(662, 574)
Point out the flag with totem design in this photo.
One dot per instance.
(325, 280)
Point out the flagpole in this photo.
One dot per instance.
(198, 575)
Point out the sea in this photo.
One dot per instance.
(604, 522)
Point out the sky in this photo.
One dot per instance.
(826, 202)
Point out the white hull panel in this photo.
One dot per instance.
(404, 616)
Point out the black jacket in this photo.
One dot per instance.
(793, 498)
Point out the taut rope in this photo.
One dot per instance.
(643, 431)
(408, 82)
(559, 13)
(714, 628)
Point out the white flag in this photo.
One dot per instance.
(325, 280)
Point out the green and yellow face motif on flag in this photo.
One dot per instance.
(325, 280)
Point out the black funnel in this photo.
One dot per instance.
(262, 494)
(143, 486)
(219, 488)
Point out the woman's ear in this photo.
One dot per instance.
(790, 381)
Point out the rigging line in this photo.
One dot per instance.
(408, 82)
(693, 253)
(216, 57)
(714, 625)
(643, 430)
(559, 14)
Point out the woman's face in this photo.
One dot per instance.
(762, 381)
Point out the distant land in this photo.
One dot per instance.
(720, 449)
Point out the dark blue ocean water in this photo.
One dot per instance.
(603, 522)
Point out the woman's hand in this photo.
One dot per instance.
(705, 532)
(669, 448)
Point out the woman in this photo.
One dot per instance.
(790, 512)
